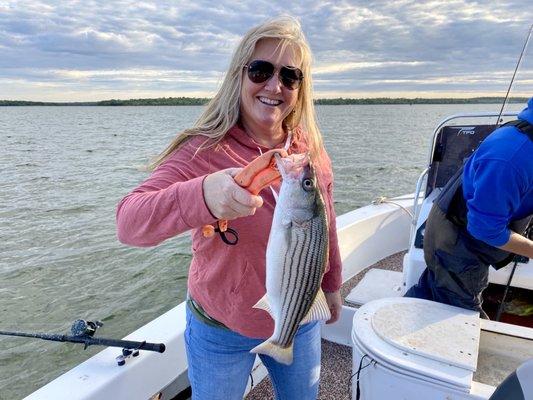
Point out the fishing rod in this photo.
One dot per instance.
(83, 331)
(517, 259)
(514, 74)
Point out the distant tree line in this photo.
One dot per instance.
(163, 101)
(198, 101)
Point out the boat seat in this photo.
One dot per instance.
(518, 385)
(453, 145)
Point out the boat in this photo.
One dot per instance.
(402, 348)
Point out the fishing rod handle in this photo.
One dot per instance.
(157, 347)
(127, 344)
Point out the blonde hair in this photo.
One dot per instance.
(222, 112)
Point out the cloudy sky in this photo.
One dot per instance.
(95, 50)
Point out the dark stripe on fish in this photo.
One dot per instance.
(298, 244)
(295, 300)
(292, 251)
(299, 300)
(309, 270)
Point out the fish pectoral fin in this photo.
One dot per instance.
(319, 310)
(263, 304)
(280, 354)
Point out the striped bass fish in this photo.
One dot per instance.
(296, 256)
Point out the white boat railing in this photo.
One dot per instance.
(416, 209)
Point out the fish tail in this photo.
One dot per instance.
(280, 354)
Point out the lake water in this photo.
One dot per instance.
(64, 169)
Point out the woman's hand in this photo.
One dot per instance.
(334, 301)
(227, 200)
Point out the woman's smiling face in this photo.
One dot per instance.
(265, 105)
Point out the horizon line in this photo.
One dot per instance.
(318, 99)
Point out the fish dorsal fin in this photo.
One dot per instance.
(319, 310)
(263, 304)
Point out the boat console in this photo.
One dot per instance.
(451, 146)
(419, 349)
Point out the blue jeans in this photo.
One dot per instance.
(220, 363)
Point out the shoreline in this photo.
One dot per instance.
(195, 101)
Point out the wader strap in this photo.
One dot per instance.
(523, 126)
(451, 201)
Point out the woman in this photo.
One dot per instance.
(265, 101)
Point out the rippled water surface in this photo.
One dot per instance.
(62, 172)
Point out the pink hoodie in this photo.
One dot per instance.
(227, 281)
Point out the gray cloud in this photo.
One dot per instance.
(181, 48)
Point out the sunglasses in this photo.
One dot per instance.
(260, 71)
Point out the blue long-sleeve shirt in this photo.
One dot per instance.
(498, 182)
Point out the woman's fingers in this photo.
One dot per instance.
(227, 200)
(244, 198)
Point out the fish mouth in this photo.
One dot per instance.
(293, 165)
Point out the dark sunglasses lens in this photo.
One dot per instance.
(260, 71)
(291, 77)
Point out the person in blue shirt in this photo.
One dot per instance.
(482, 217)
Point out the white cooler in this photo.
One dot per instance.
(414, 349)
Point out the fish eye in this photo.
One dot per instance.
(308, 184)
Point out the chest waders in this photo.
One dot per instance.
(457, 263)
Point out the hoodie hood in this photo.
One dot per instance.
(527, 113)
